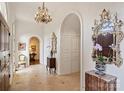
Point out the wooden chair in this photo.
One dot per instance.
(22, 60)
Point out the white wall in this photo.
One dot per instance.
(3, 10)
(54, 26)
(88, 12)
(95, 10)
(24, 31)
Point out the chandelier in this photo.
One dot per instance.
(42, 15)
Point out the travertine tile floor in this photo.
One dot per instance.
(36, 78)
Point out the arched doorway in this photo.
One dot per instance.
(34, 51)
(70, 44)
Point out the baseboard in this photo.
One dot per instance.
(82, 89)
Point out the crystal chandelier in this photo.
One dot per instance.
(42, 15)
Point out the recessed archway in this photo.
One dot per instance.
(34, 51)
(70, 44)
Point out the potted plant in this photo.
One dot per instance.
(100, 65)
(100, 60)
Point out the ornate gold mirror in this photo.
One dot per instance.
(106, 37)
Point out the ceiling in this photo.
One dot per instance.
(26, 10)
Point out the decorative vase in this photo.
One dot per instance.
(100, 66)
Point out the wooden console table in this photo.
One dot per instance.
(51, 64)
(94, 82)
(32, 57)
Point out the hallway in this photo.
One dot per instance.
(35, 78)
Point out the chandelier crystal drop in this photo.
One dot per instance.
(42, 15)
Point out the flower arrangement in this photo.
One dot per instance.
(100, 60)
(99, 57)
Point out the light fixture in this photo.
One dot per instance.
(42, 16)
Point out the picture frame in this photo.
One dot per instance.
(21, 46)
(33, 48)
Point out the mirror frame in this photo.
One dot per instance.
(116, 32)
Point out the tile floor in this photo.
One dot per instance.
(36, 78)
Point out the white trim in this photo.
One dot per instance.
(81, 45)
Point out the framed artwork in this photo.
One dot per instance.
(21, 46)
(33, 48)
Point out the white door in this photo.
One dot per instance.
(75, 53)
(70, 45)
(70, 53)
(65, 54)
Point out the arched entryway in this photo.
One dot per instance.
(70, 44)
(34, 51)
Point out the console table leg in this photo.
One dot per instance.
(55, 70)
(50, 70)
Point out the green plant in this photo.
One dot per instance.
(101, 58)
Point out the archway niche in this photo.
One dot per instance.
(70, 44)
(34, 51)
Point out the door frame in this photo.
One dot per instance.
(82, 72)
(39, 45)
